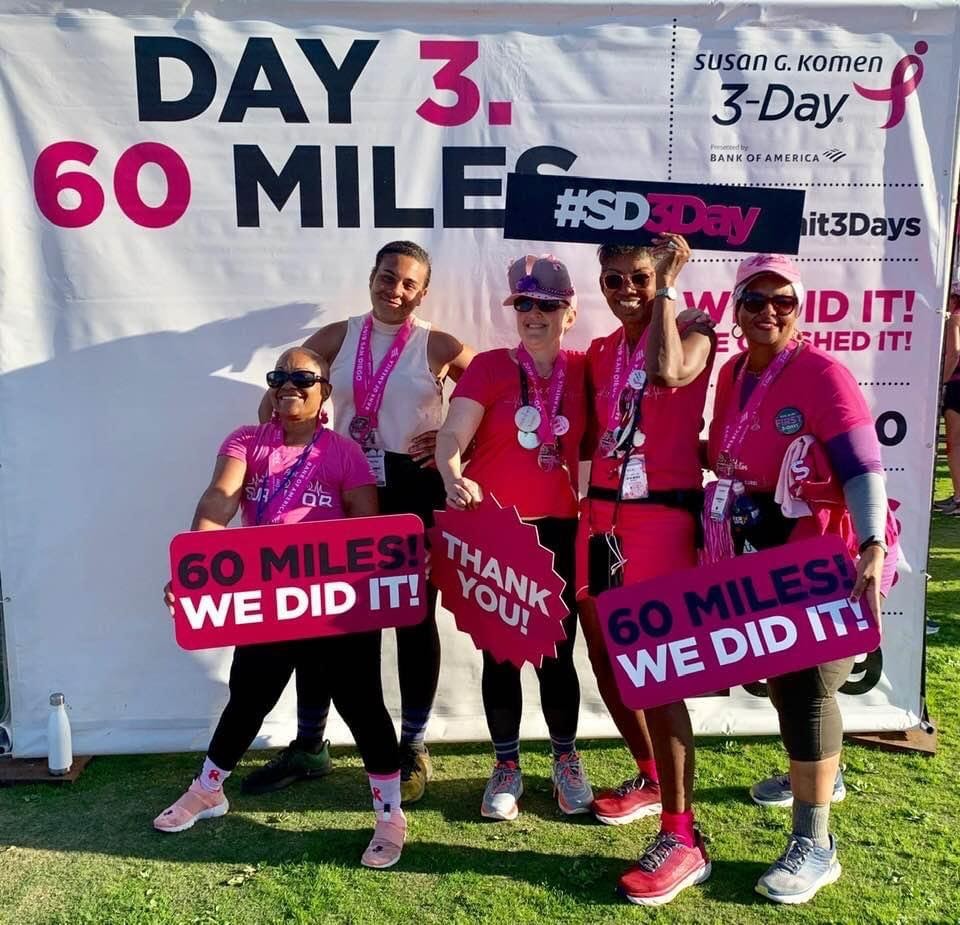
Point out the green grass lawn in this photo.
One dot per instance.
(86, 853)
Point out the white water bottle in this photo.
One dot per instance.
(59, 741)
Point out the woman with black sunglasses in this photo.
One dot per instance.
(288, 470)
(523, 410)
(796, 454)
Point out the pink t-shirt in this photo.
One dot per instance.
(498, 463)
(814, 394)
(671, 420)
(334, 464)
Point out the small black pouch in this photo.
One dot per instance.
(604, 563)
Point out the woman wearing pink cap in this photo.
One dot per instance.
(779, 402)
(523, 409)
(293, 469)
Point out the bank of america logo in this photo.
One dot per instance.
(835, 154)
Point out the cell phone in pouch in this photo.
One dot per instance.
(603, 557)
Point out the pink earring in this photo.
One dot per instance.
(323, 417)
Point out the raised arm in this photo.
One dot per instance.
(673, 361)
(453, 438)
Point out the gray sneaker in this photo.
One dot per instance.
(775, 791)
(503, 790)
(800, 871)
(570, 784)
(946, 505)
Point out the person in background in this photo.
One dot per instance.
(796, 454)
(292, 469)
(648, 384)
(522, 412)
(387, 368)
(951, 399)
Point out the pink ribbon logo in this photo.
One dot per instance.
(900, 87)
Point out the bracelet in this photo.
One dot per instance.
(873, 541)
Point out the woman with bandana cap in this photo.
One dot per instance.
(523, 411)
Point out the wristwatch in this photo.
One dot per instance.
(667, 292)
(873, 541)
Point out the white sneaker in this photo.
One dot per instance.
(503, 790)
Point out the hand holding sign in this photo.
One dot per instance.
(295, 581)
(735, 622)
(513, 611)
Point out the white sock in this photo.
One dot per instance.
(211, 777)
(386, 793)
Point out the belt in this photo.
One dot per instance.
(687, 499)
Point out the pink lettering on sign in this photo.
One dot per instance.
(735, 622)
(680, 214)
(295, 581)
(499, 583)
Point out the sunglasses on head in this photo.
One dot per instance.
(545, 305)
(755, 302)
(301, 378)
(614, 280)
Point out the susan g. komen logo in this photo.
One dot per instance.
(900, 85)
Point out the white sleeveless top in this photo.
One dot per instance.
(413, 396)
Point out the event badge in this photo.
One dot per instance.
(377, 460)
(721, 499)
(635, 479)
(528, 439)
(637, 379)
(561, 424)
(549, 457)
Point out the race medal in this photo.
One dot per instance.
(561, 424)
(639, 438)
(608, 443)
(549, 457)
(637, 379)
(527, 420)
(359, 428)
(528, 439)
(635, 484)
(724, 464)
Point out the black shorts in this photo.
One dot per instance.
(951, 396)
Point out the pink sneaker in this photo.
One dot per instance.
(195, 804)
(387, 842)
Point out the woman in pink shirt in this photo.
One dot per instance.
(523, 411)
(797, 455)
(288, 470)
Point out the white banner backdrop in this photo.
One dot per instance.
(281, 144)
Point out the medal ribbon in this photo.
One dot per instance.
(617, 379)
(554, 391)
(288, 490)
(368, 386)
(735, 429)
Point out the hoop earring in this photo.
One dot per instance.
(734, 331)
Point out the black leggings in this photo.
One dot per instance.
(810, 722)
(349, 667)
(410, 489)
(559, 685)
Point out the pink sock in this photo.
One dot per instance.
(211, 777)
(386, 793)
(680, 825)
(648, 768)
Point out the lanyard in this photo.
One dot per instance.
(299, 466)
(548, 409)
(735, 431)
(368, 386)
(637, 361)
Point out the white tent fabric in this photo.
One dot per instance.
(128, 351)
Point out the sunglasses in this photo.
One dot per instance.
(613, 280)
(545, 305)
(755, 302)
(301, 378)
